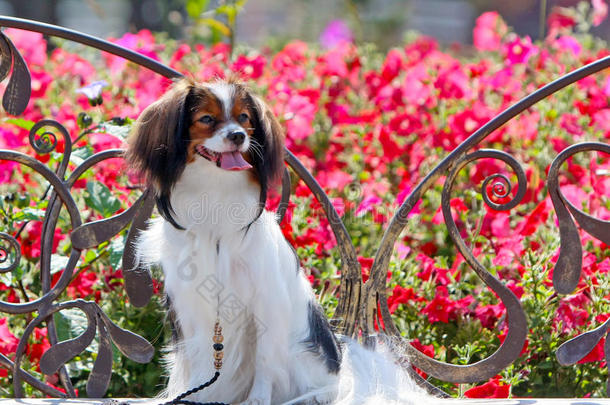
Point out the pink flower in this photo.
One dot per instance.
(32, 45)
(569, 43)
(333, 63)
(569, 122)
(519, 50)
(489, 31)
(335, 33)
(368, 204)
(299, 114)
(289, 62)
(103, 141)
(8, 341)
(68, 63)
(600, 11)
(142, 42)
(249, 67)
(40, 82)
(453, 83)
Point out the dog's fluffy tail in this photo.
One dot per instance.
(370, 377)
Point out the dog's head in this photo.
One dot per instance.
(223, 122)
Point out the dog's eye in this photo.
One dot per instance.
(206, 119)
(243, 117)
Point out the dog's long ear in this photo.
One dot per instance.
(158, 144)
(268, 133)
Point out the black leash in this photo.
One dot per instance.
(218, 356)
(179, 400)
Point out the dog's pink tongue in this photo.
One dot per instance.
(233, 161)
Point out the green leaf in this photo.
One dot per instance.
(58, 263)
(80, 154)
(20, 122)
(99, 197)
(228, 9)
(116, 252)
(71, 323)
(194, 8)
(216, 25)
(118, 131)
(62, 325)
(90, 256)
(28, 214)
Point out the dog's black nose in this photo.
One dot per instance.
(237, 137)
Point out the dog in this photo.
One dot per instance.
(210, 153)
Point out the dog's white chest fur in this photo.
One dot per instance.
(245, 273)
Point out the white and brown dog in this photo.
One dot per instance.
(210, 152)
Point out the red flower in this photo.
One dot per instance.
(401, 295)
(571, 316)
(440, 309)
(560, 18)
(392, 65)
(491, 389)
(597, 354)
(488, 315)
(180, 53)
(365, 266)
(41, 344)
(538, 216)
(502, 337)
(12, 295)
(391, 150)
(30, 244)
(428, 350)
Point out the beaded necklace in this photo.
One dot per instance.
(218, 347)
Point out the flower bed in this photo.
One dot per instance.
(369, 126)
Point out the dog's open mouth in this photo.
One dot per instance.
(225, 160)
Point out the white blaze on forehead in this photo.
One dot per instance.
(225, 93)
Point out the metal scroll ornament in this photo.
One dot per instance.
(373, 304)
(17, 94)
(359, 305)
(43, 139)
(567, 272)
(53, 360)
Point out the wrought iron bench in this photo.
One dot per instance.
(359, 304)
